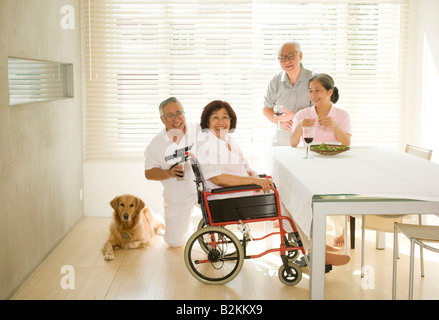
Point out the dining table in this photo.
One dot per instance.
(365, 180)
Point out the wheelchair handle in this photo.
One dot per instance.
(179, 153)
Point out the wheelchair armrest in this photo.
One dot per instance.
(236, 188)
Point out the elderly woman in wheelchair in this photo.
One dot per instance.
(221, 160)
(231, 195)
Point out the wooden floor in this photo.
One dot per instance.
(159, 272)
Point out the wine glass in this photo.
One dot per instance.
(308, 136)
(278, 112)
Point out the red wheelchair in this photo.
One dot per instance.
(214, 254)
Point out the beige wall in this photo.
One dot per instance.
(40, 144)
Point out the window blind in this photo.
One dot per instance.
(138, 53)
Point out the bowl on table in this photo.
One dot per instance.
(329, 149)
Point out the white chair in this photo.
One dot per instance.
(386, 223)
(419, 152)
(418, 235)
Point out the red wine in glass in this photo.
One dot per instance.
(278, 112)
(308, 136)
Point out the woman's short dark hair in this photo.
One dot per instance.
(214, 106)
(328, 83)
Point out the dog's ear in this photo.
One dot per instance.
(140, 204)
(114, 203)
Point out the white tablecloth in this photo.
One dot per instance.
(366, 171)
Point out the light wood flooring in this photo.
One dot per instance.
(159, 272)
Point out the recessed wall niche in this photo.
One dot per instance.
(33, 81)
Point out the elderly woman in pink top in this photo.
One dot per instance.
(331, 124)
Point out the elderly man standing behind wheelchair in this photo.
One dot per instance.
(179, 192)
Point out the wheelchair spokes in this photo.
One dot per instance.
(235, 229)
(214, 255)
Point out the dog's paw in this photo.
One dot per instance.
(160, 231)
(109, 256)
(132, 245)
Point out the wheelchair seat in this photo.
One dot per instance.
(243, 208)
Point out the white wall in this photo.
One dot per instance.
(104, 180)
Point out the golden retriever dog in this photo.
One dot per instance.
(133, 225)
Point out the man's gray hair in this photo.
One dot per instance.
(166, 102)
(294, 43)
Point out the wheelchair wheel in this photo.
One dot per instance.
(213, 255)
(293, 255)
(292, 276)
(231, 227)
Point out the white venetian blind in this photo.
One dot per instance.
(138, 53)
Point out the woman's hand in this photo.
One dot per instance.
(327, 122)
(343, 137)
(266, 184)
(297, 134)
(308, 123)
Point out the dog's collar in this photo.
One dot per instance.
(129, 235)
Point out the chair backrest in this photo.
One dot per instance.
(419, 152)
